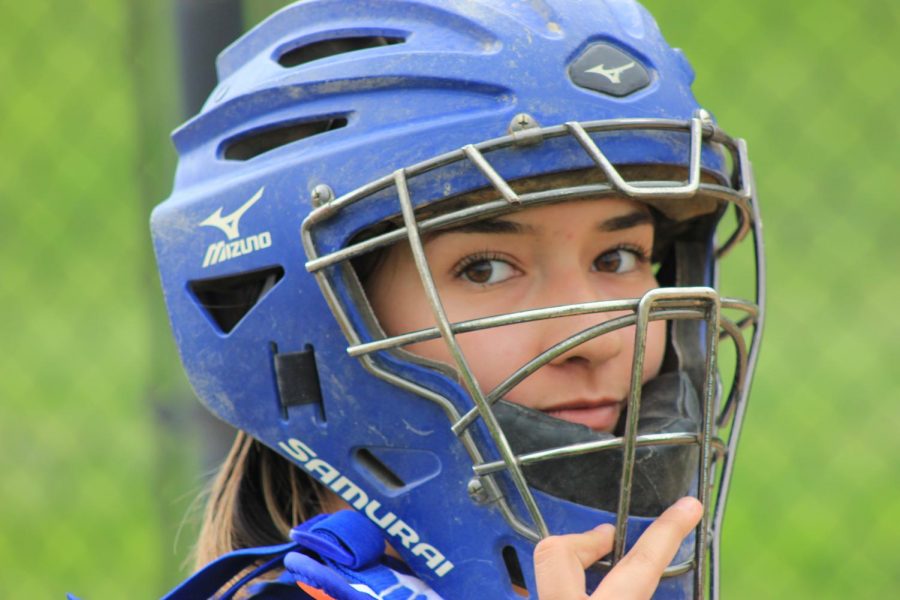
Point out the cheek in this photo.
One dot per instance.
(656, 333)
(655, 350)
(488, 355)
(397, 297)
(492, 354)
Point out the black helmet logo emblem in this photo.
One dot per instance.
(609, 70)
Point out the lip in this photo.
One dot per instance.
(599, 415)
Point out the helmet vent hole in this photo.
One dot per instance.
(297, 378)
(325, 48)
(227, 300)
(253, 144)
(381, 471)
(514, 569)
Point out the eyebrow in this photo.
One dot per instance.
(493, 226)
(626, 221)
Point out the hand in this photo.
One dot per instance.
(560, 561)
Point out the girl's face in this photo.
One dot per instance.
(545, 256)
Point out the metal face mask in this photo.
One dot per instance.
(339, 130)
(668, 443)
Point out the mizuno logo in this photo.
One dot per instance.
(229, 225)
(614, 75)
(222, 250)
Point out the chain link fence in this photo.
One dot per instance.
(99, 441)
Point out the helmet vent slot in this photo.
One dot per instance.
(227, 300)
(253, 144)
(297, 378)
(323, 49)
(384, 474)
(514, 570)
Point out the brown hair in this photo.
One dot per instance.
(255, 499)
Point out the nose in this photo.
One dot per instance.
(578, 289)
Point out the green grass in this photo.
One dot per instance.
(80, 510)
(95, 437)
(814, 511)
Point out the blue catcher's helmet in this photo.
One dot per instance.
(340, 128)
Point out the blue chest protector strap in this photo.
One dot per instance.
(206, 582)
(341, 554)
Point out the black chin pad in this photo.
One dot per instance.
(662, 474)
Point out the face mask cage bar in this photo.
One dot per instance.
(682, 303)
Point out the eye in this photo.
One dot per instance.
(619, 260)
(486, 271)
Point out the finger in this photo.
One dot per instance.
(560, 561)
(587, 547)
(637, 574)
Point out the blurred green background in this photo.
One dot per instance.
(101, 450)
